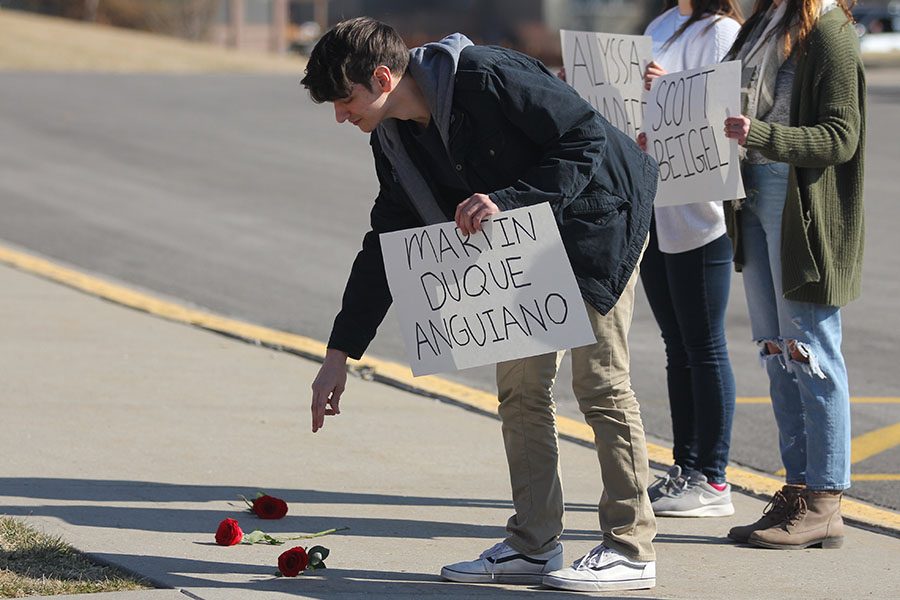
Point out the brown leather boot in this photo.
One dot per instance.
(813, 519)
(773, 514)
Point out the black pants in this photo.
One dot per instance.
(688, 293)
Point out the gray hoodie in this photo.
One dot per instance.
(433, 67)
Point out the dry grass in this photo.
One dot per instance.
(33, 563)
(31, 42)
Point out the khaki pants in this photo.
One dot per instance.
(602, 385)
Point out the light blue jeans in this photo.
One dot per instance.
(811, 400)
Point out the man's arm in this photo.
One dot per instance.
(366, 296)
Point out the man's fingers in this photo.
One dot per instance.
(464, 213)
(319, 407)
(458, 211)
(473, 207)
(335, 400)
(480, 216)
(472, 211)
(316, 408)
(462, 216)
(324, 404)
(458, 217)
(472, 222)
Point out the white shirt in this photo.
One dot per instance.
(689, 226)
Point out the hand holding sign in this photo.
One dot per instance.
(653, 71)
(737, 128)
(472, 211)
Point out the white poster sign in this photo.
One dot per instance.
(469, 300)
(607, 70)
(685, 127)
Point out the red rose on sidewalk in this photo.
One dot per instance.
(229, 533)
(269, 507)
(293, 561)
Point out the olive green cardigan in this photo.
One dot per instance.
(822, 225)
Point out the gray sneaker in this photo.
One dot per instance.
(671, 481)
(696, 498)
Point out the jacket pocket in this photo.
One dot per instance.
(598, 209)
(595, 230)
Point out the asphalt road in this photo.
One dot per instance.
(236, 193)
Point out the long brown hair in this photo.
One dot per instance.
(702, 8)
(806, 13)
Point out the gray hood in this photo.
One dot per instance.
(433, 67)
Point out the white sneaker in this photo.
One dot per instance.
(604, 569)
(502, 564)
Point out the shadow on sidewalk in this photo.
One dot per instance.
(204, 520)
(102, 490)
(328, 583)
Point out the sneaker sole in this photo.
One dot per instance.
(509, 578)
(722, 510)
(578, 585)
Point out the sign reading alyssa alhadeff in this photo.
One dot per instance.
(684, 123)
(607, 70)
(505, 292)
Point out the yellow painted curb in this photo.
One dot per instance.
(381, 370)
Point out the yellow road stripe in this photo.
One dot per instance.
(381, 369)
(853, 400)
(874, 442)
(869, 444)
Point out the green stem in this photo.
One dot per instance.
(316, 535)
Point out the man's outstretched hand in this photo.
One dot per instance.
(328, 387)
(472, 211)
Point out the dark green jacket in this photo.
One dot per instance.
(822, 226)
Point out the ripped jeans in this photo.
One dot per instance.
(810, 396)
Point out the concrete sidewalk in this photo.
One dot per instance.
(132, 437)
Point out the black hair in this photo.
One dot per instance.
(349, 53)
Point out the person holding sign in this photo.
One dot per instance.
(686, 273)
(799, 241)
(461, 132)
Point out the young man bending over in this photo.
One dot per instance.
(461, 132)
